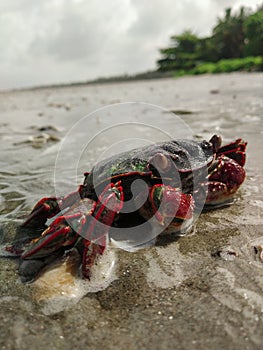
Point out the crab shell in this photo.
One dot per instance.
(173, 163)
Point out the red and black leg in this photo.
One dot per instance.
(235, 150)
(48, 207)
(95, 231)
(86, 218)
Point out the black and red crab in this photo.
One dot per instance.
(177, 175)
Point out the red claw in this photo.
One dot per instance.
(235, 150)
(171, 202)
(224, 180)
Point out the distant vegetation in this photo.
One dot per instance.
(236, 44)
(247, 64)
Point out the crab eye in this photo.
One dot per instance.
(216, 142)
(206, 144)
(160, 161)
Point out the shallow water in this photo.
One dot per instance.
(189, 291)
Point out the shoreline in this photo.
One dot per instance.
(122, 79)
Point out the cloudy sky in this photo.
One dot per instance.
(55, 41)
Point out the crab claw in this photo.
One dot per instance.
(235, 150)
(172, 207)
(224, 180)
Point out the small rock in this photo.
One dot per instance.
(181, 111)
(214, 91)
(258, 249)
(39, 141)
(226, 254)
(47, 128)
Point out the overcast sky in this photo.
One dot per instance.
(53, 41)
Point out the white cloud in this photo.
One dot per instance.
(57, 41)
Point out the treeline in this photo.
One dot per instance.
(236, 43)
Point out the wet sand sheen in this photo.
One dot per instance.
(184, 293)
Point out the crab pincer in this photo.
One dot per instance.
(173, 209)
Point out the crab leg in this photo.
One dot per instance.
(86, 218)
(57, 235)
(62, 232)
(109, 204)
(48, 207)
(36, 220)
(91, 253)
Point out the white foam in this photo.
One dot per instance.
(58, 289)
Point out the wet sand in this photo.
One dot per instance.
(201, 291)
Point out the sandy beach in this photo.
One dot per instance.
(186, 293)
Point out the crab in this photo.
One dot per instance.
(175, 179)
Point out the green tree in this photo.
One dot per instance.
(228, 35)
(235, 35)
(254, 34)
(207, 51)
(183, 54)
